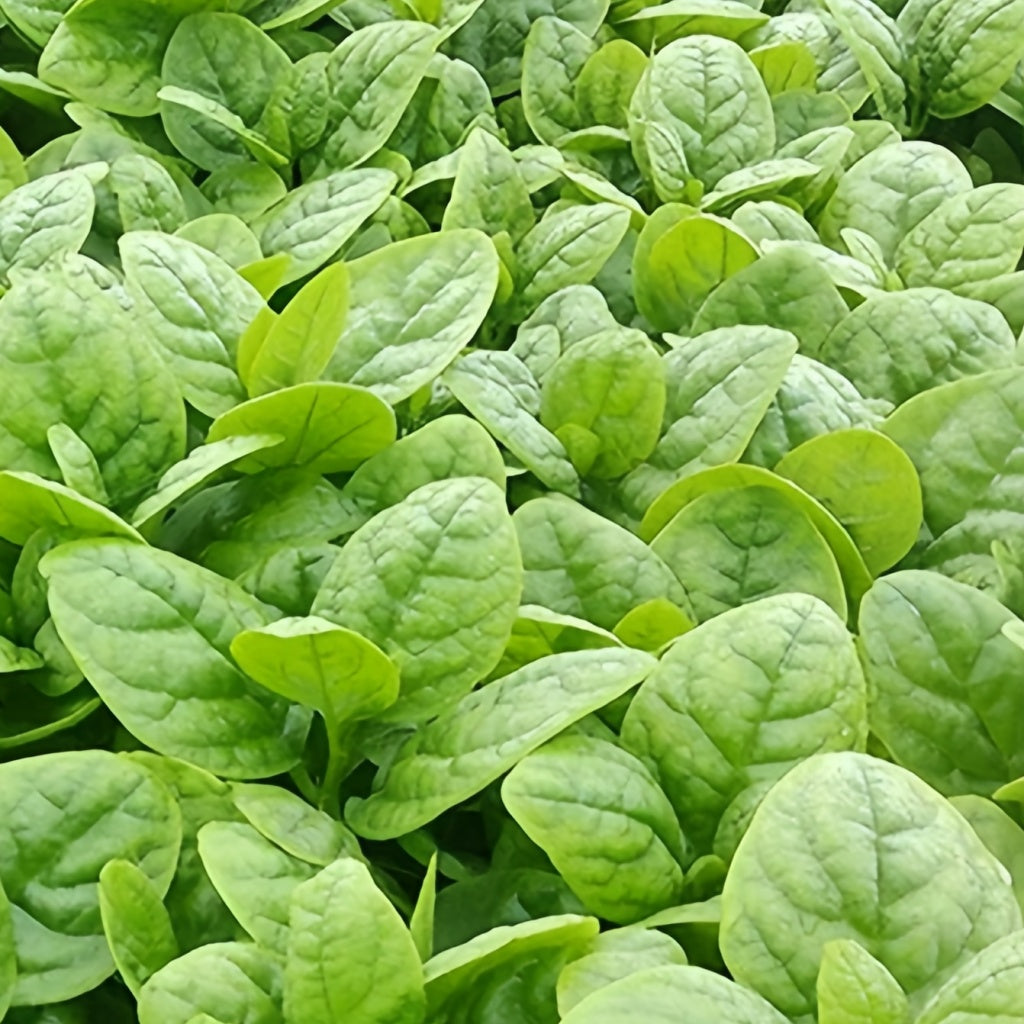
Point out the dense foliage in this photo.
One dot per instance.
(511, 511)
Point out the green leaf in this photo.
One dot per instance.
(179, 693)
(966, 53)
(945, 681)
(621, 855)
(488, 192)
(488, 732)
(329, 428)
(254, 877)
(313, 662)
(196, 308)
(683, 266)
(720, 385)
(1003, 837)
(415, 305)
(787, 289)
(971, 237)
(371, 78)
(421, 923)
(794, 887)
(299, 343)
(77, 463)
(987, 986)
(196, 469)
(897, 344)
(350, 956)
(448, 447)
(882, 511)
(613, 385)
(315, 220)
(700, 111)
(222, 981)
(46, 218)
(29, 503)
(658, 992)
(733, 546)
(148, 198)
(223, 58)
(475, 973)
(964, 440)
(126, 814)
(499, 390)
(555, 55)
(577, 563)
(612, 956)
(435, 582)
(854, 988)
(135, 922)
(116, 71)
(226, 236)
(8, 954)
(699, 720)
(890, 191)
(57, 326)
(607, 81)
(569, 246)
(289, 822)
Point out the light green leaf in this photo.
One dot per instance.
(77, 463)
(115, 71)
(435, 581)
(135, 922)
(787, 289)
(655, 995)
(1003, 837)
(971, 237)
(371, 78)
(614, 955)
(28, 503)
(226, 59)
(555, 55)
(198, 468)
(989, 986)
(350, 956)
(890, 191)
(329, 428)
(854, 988)
(489, 192)
(179, 693)
(226, 236)
(683, 266)
(148, 199)
(289, 822)
(415, 305)
(488, 732)
(313, 662)
(254, 877)
(868, 483)
(607, 81)
(613, 385)
(421, 923)
(46, 218)
(966, 53)
(964, 438)
(448, 447)
(56, 327)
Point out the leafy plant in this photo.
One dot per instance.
(511, 511)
